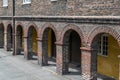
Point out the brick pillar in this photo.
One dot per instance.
(40, 52)
(5, 40)
(61, 58)
(86, 63)
(25, 48)
(15, 49)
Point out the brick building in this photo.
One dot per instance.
(85, 33)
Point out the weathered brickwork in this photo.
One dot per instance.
(69, 7)
(86, 32)
(63, 7)
(6, 11)
(62, 17)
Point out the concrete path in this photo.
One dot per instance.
(18, 68)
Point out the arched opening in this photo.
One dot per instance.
(1, 36)
(72, 52)
(20, 43)
(32, 43)
(105, 62)
(9, 38)
(49, 47)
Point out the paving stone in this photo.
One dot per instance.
(18, 68)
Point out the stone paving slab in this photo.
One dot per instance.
(18, 68)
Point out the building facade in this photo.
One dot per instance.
(85, 33)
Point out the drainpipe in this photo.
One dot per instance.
(13, 22)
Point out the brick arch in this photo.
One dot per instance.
(19, 24)
(19, 39)
(45, 26)
(9, 42)
(99, 30)
(7, 25)
(1, 23)
(29, 26)
(72, 27)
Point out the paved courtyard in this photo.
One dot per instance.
(18, 68)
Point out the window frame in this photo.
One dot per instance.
(103, 45)
(53, 0)
(26, 2)
(5, 3)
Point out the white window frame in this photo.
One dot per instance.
(26, 1)
(53, 0)
(103, 47)
(5, 3)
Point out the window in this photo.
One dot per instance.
(103, 45)
(53, 0)
(26, 1)
(5, 3)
